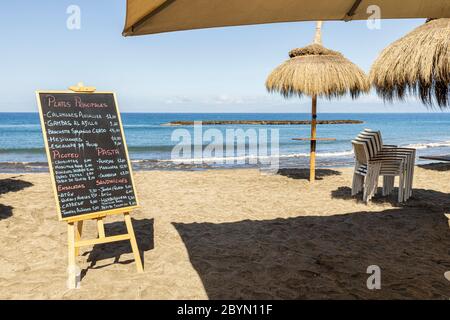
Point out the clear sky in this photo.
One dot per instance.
(213, 70)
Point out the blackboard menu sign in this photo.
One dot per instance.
(87, 153)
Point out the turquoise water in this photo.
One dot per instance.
(150, 144)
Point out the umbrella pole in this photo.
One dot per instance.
(312, 161)
(312, 157)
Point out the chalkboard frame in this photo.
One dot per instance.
(91, 215)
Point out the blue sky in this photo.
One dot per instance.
(213, 70)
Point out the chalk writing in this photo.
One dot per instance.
(86, 152)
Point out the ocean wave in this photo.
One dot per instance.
(428, 145)
(14, 167)
(167, 148)
(23, 150)
(20, 126)
(336, 154)
(143, 126)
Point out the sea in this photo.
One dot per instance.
(151, 141)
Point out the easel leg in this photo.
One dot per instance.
(101, 228)
(134, 246)
(78, 236)
(71, 270)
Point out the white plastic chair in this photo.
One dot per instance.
(370, 165)
(388, 150)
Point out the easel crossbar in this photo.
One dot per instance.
(74, 230)
(90, 242)
(74, 239)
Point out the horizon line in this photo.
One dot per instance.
(160, 112)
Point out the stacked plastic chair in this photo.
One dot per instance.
(374, 159)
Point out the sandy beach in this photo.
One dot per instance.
(235, 234)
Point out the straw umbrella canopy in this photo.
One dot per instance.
(418, 63)
(316, 71)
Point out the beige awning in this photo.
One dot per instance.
(155, 16)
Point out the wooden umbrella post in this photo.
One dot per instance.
(312, 161)
(318, 35)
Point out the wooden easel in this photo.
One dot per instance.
(74, 231)
(75, 227)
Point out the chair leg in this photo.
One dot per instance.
(375, 185)
(413, 163)
(409, 193)
(401, 185)
(384, 191)
(367, 184)
(371, 181)
(407, 173)
(391, 181)
(376, 175)
(357, 185)
(354, 183)
(408, 182)
(385, 185)
(358, 181)
(366, 180)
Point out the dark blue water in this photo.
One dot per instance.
(21, 142)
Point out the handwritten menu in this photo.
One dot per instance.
(86, 152)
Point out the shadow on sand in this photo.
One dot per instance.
(421, 198)
(440, 166)
(303, 174)
(13, 185)
(10, 185)
(143, 230)
(318, 257)
(5, 211)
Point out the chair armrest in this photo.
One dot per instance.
(387, 159)
(398, 150)
(405, 149)
(397, 154)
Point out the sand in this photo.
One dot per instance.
(235, 234)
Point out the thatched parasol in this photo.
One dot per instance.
(317, 72)
(418, 63)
